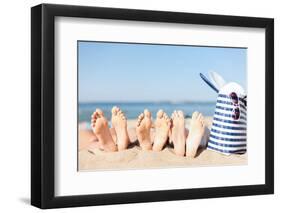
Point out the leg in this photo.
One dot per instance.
(144, 124)
(86, 138)
(100, 128)
(119, 123)
(162, 127)
(178, 132)
(197, 128)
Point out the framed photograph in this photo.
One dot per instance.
(140, 106)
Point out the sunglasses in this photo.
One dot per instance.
(235, 101)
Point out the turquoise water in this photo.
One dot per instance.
(132, 110)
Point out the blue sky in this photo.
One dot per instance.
(125, 72)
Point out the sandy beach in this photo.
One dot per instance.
(92, 158)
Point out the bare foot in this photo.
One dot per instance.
(197, 127)
(144, 124)
(119, 123)
(178, 132)
(100, 128)
(162, 127)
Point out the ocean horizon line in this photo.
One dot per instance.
(133, 109)
(148, 102)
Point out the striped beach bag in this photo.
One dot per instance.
(228, 133)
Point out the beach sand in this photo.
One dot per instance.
(92, 158)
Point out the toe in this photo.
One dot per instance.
(114, 110)
(140, 119)
(99, 112)
(167, 118)
(93, 121)
(202, 120)
(199, 116)
(195, 115)
(141, 115)
(180, 113)
(147, 113)
(160, 113)
(94, 115)
(119, 113)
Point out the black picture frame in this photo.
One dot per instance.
(43, 105)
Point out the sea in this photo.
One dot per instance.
(133, 109)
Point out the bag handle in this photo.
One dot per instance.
(209, 83)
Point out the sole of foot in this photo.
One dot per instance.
(178, 132)
(162, 127)
(144, 124)
(100, 128)
(119, 123)
(196, 133)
